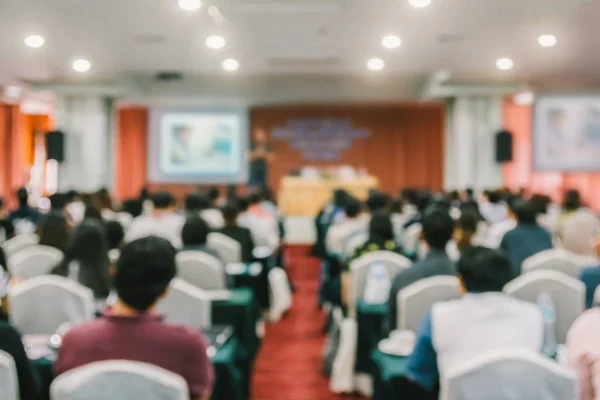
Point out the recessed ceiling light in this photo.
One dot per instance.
(230, 65)
(190, 5)
(525, 98)
(547, 40)
(419, 3)
(504, 64)
(375, 64)
(81, 65)
(391, 42)
(12, 91)
(216, 42)
(35, 41)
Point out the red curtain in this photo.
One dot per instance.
(519, 173)
(12, 173)
(132, 150)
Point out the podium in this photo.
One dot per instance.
(305, 197)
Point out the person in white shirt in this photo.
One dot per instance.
(494, 210)
(265, 231)
(199, 204)
(353, 221)
(484, 319)
(162, 222)
(497, 231)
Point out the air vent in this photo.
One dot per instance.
(169, 76)
(304, 62)
(288, 6)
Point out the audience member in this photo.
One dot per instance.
(381, 236)
(377, 201)
(54, 231)
(86, 258)
(527, 238)
(194, 236)
(131, 330)
(241, 234)
(75, 206)
(200, 204)
(213, 195)
(58, 202)
(353, 221)
(496, 231)
(115, 234)
(92, 212)
(494, 210)
(438, 229)
(133, 207)
(7, 230)
(578, 227)
(24, 212)
(484, 319)
(264, 230)
(162, 222)
(423, 200)
(465, 230)
(267, 202)
(103, 202)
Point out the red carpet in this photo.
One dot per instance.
(288, 366)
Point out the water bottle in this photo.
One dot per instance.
(378, 285)
(546, 305)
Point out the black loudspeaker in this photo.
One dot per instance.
(504, 147)
(55, 146)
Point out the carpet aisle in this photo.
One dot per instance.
(288, 366)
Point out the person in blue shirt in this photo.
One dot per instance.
(527, 238)
(24, 211)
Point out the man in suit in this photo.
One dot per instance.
(438, 228)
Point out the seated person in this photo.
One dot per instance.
(11, 343)
(264, 229)
(590, 277)
(578, 226)
(465, 230)
(484, 319)
(194, 235)
(438, 228)
(353, 221)
(163, 221)
(496, 231)
(86, 258)
(24, 212)
(199, 204)
(115, 234)
(381, 236)
(527, 239)
(54, 231)
(241, 234)
(422, 201)
(131, 330)
(494, 210)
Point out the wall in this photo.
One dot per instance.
(12, 171)
(519, 173)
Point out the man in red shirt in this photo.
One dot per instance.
(130, 330)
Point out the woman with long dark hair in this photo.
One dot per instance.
(54, 231)
(86, 258)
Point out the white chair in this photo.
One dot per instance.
(568, 295)
(509, 374)
(41, 305)
(410, 238)
(9, 382)
(119, 379)
(342, 372)
(415, 300)
(597, 296)
(19, 242)
(228, 249)
(34, 261)
(352, 242)
(201, 270)
(213, 218)
(187, 305)
(559, 260)
(125, 219)
(281, 295)
(577, 231)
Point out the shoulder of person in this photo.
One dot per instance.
(186, 337)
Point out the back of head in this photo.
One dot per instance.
(144, 194)
(377, 201)
(423, 200)
(254, 198)
(88, 243)
(494, 196)
(213, 195)
(353, 207)
(339, 198)
(439, 202)
(572, 200)
(58, 201)
(526, 213)
(54, 230)
(72, 195)
(438, 228)
(484, 270)
(103, 200)
(163, 200)
(540, 203)
(242, 204)
(115, 234)
(468, 222)
(195, 231)
(22, 197)
(230, 213)
(196, 202)
(133, 207)
(381, 229)
(145, 268)
(267, 194)
(92, 212)
(397, 206)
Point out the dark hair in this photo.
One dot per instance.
(162, 200)
(423, 199)
(230, 213)
(102, 199)
(8, 227)
(195, 231)
(196, 202)
(454, 195)
(22, 197)
(58, 201)
(254, 198)
(397, 206)
(145, 268)
(469, 192)
(213, 194)
(267, 194)
(439, 202)
(243, 204)
(526, 212)
(3, 260)
(572, 200)
(115, 234)
(71, 195)
(144, 194)
(381, 229)
(438, 228)
(339, 198)
(133, 207)
(54, 231)
(484, 270)
(468, 221)
(541, 203)
(353, 207)
(92, 212)
(377, 201)
(88, 247)
(494, 197)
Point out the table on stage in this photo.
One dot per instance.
(305, 197)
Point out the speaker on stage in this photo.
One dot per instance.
(504, 147)
(55, 146)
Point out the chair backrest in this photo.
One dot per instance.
(9, 381)
(568, 295)
(509, 374)
(201, 270)
(41, 305)
(578, 230)
(559, 260)
(410, 238)
(34, 261)
(19, 242)
(119, 379)
(228, 249)
(394, 263)
(353, 241)
(597, 296)
(113, 255)
(187, 305)
(415, 300)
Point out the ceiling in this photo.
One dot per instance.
(326, 42)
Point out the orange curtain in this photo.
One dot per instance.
(132, 150)
(12, 173)
(519, 173)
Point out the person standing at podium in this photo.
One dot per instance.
(261, 155)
